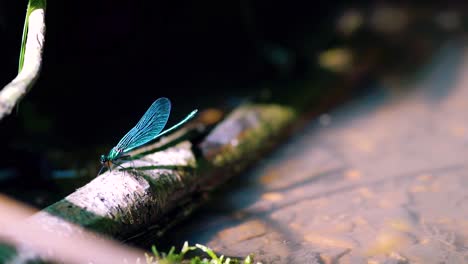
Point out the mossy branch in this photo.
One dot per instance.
(125, 202)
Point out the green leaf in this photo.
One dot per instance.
(195, 260)
(208, 251)
(186, 248)
(248, 260)
(155, 251)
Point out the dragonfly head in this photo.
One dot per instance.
(106, 161)
(103, 159)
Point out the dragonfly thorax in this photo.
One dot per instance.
(114, 154)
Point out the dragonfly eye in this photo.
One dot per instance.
(103, 159)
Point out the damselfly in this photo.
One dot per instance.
(148, 128)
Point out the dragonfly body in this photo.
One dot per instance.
(147, 129)
(114, 154)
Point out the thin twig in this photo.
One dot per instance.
(30, 58)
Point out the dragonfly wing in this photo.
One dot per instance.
(149, 126)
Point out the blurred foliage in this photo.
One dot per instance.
(174, 258)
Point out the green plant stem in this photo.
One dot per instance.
(32, 5)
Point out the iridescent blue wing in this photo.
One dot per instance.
(149, 126)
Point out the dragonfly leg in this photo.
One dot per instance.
(107, 165)
(124, 157)
(118, 165)
(124, 169)
(100, 170)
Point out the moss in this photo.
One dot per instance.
(175, 258)
(271, 119)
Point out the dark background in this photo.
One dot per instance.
(106, 61)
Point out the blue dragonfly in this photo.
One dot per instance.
(147, 129)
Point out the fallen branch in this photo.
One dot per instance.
(126, 202)
(30, 58)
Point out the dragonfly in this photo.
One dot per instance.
(147, 129)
